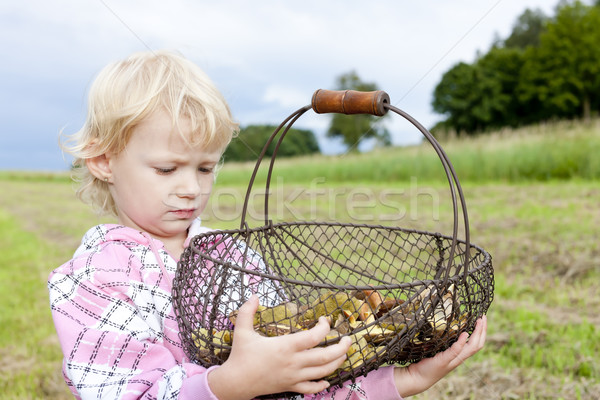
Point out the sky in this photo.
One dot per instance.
(266, 57)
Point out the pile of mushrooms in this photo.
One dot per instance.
(368, 318)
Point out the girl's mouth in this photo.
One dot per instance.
(184, 213)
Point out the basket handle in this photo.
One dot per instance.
(350, 102)
(323, 101)
(376, 103)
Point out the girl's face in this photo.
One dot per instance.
(159, 182)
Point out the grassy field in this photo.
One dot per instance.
(540, 227)
(562, 150)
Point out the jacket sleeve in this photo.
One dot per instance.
(377, 385)
(111, 325)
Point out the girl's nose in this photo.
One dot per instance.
(193, 185)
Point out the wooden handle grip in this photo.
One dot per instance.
(350, 102)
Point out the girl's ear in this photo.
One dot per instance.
(99, 166)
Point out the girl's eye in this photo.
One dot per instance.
(164, 171)
(205, 170)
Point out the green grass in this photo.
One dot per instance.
(29, 346)
(562, 150)
(35, 176)
(529, 330)
(542, 329)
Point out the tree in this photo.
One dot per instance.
(251, 140)
(527, 30)
(563, 73)
(454, 97)
(547, 68)
(354, 128)
(479, 96)
(498, 77)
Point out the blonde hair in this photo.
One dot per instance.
(126, 92)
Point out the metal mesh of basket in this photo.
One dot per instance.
(400, 294)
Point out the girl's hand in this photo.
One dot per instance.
(264, 365)
(417, 378)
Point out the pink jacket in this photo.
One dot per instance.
(114, 317)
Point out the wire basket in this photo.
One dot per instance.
(400, 294)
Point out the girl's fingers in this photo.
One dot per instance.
(318, 356)
(477, 338)
(315, 372)
(310, 338)
(314, 363)
(245, 317)
(310, 387)
(483, 334)
(466, 346)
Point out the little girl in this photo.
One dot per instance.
(148, 153)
